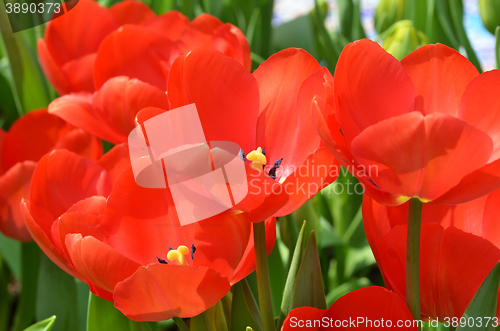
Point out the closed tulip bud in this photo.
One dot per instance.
(402, 38)
(387, 13)
(490, 13)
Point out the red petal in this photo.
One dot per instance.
(198, 34)
(79, 73)
(160, 292)
(148, 58)
(221, 89)
(99, 263)
(52, 70)
(490, 225)
(221, 242)
(265, 196)
(78, 110)
(79, 32)
(115, 161)
(3, 134)
(14, 186)
(373, 303)
(81, 143)
(284, 120)
(170, 25)
(440, 75)
(40, 236)
(479, 107)
(63, 178)
(135, 215)
(83, 218)
(370, 86)
(230, 41)
(37, 126)
(120, 99)
(318, 171)
(415, 162)
(132, 12)
(476, 184)
(305, 318)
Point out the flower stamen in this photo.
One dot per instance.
(258, 159)
(177, 255)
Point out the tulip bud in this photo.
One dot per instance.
(387, 13)
(490, 13)
(402, 38)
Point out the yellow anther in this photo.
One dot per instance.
(258, 158)
(177, 255)
(183, 250)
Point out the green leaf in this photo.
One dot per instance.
(30, 262)
(215, 317)
(308, 289)
(45, 325)
(6, 299)
(27, 80)
(497, 47)
(456, 10)
(103, 316)
(276, 277)
(11, 252)
(83, 292)
(287, 300)
(57, 295)
(8, 109)
(484, 302)
(297, 33)
(307, 213)
(244, 311)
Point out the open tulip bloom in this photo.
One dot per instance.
(28, 139)
(426, 127)
(126, 243)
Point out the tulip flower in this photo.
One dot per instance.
(368, 308)
(426, 127)
(28, 139)
(90, 44)
(459, 246)
(267, 113)
(126, 242)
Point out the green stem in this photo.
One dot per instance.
(263, 284)
(413, 257)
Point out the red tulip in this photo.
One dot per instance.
(98, 225)
(29, 138)
(269, 109)
(459, 246)
(91, 44)
(369, 308)
(424, 127)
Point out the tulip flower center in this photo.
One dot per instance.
(178, 255)
(259, 161)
